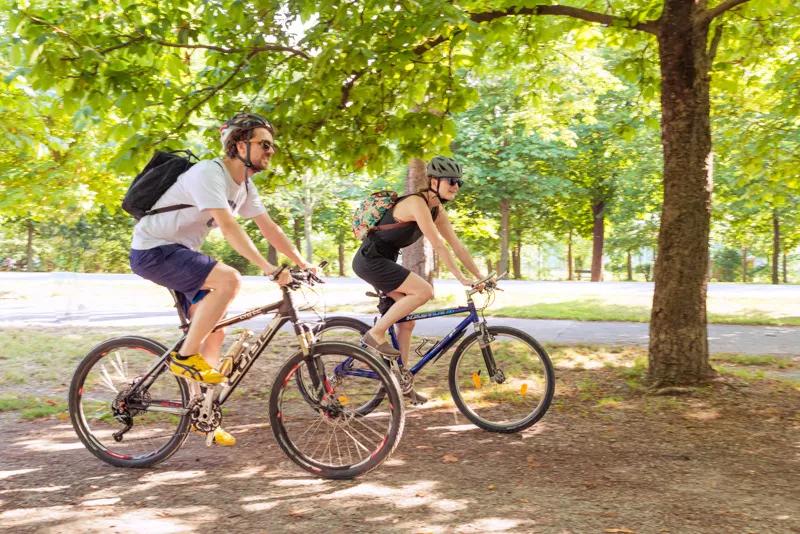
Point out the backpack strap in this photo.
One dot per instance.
(393, 226)
(176, 207)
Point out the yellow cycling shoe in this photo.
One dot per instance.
(196, 368)
(223, 438)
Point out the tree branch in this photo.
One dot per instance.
(720, 9)
(712, 49)
(251, 49)
(650, 26)
(214, 90)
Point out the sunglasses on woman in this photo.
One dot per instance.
(455, 181)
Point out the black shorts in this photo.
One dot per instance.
(384, 274)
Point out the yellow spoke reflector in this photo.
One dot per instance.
(343, 399)
(523, 390)
(476, 380)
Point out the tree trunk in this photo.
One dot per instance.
(437, 265)
(341, 255)
(297, 232)
(598, 234)
(678, 331)
(505, 212)
(785, 278)
(308, 212)
(489, 265)
(629, 265)
(776, 246)
(516, 258)
(570, 269)
(418, 258)
(744, 265)
(272, 255)
(29, 247)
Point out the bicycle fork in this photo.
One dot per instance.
(484, 340)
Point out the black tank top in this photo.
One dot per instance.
(387, 243)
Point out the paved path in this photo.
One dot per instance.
(113, 300)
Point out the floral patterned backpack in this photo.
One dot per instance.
(370, 212)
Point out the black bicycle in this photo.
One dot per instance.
(129, 410)
(500, 378)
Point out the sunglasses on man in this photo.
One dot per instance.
(266, 145)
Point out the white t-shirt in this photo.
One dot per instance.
(207, 185)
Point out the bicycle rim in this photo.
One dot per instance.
(519, 392)
(321, 430)
(101, 405)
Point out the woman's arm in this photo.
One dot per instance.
(449, 234)
(420, 212)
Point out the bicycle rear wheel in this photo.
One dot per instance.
(519, 391)
(101, 404)
(319, 427)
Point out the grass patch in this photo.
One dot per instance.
(609, 402)
(597, 310)
(32, 407)
(745, 374)
(754, 360)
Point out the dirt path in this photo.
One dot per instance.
(718, 460)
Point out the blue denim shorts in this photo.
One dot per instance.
(176, 267)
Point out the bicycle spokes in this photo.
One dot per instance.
(323, 423)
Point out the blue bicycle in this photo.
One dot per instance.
(500, 378)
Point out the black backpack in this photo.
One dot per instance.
(158, 175)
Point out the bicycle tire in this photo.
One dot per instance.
(481, 420)
(289, 441)
(91, 438)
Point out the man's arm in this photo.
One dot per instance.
(239, 240)
(274, 234)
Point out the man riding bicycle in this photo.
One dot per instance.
(165, 245)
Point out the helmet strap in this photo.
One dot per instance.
(436, 191)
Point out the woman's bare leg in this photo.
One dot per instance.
(415, 292)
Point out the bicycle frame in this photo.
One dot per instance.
(286, 312)
(438, 349)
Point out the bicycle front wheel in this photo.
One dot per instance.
(317, 423)
(122, 427)
(515, 394)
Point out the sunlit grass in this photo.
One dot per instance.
(30, 407)
(598, 310)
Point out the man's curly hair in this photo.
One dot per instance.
(244, 134)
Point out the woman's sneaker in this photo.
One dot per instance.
(384, 348)
(194, 367)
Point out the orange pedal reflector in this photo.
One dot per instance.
(476, 380)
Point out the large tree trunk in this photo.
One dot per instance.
(505, 212)
(776, 246)
(678, 332)
(272, 255)
(570, 269)
(598, 235)
(418, 258)
(29, 247)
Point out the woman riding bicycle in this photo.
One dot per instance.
(376, 259)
